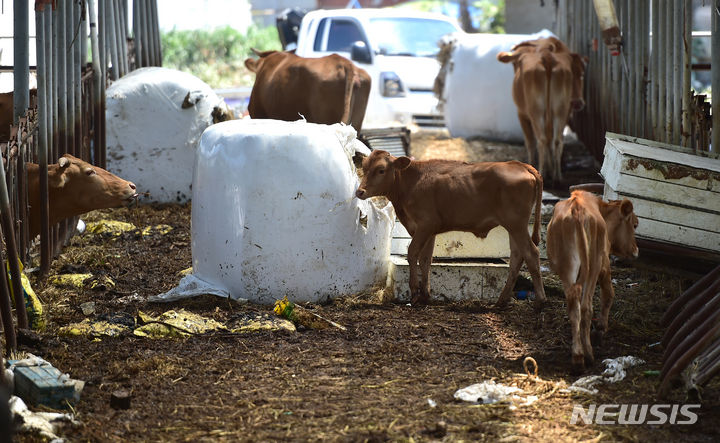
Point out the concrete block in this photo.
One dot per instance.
(453, 280)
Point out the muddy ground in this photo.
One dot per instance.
(390, 376)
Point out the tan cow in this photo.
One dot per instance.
(75, 187)
(582, 234)
(547, 85)
(324, 90)
(435, 196)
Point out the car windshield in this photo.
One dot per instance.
(409, 36)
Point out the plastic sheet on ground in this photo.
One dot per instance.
(112, 228)
(96, 329)
(44, 424)
(489, 392)
(192, 286)
(262, 322)
(33, 305)
(179, 323)
(84, 280)
(613, 373)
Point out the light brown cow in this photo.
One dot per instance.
(324, 90)
(435, 196)
(547, 85)
(75, 187)
(582, 234)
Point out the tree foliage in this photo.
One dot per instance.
(217, 56)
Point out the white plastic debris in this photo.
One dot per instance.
(613, 373)
(466, 95)
(191, 286)
(274, 213)
(45, 424)
(155, 117)
(490, 392)
(586, 385)
(615, 368)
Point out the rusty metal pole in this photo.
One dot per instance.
(46, 149)
(715, 70)
(98, 73)
(21, 60)
(685, 129)
(654, 72)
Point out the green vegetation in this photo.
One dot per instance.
(217, 57)
(483, 15)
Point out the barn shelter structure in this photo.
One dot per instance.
(74, 49)
(637, 86)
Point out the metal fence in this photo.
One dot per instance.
(643, 91)
(67, 115)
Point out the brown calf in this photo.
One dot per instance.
(436, 196)
(582, 234)
(75, 187)
(325, 90)
(547, 85)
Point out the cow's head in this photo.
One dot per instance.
(379, 174)
(578, 70)
(621, 222)
(79, 187)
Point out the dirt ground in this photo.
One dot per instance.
(390, 376)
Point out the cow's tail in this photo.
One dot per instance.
(582, 230)
(548, 60)
(538, 203)
(349, 83)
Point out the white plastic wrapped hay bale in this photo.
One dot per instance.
(477, 93)
(273, 213)
(154, 118)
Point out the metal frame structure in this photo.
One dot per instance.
(68, 116)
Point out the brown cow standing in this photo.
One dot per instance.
(324, 90)
(435, 196)
(582, 234)
(548, 83)
(75, 187)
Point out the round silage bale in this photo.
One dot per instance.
(154, 119)
(477, 93)
(273, 213)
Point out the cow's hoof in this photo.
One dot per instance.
(538, 305)
(502, 304)
(578, 366)
(419, 299)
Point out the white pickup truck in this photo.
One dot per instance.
(396, 47)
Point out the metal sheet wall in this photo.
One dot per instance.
(645, 90)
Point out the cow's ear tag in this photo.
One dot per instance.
(401, 162)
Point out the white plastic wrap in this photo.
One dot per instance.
(273, 213)
(151, 138)
(478, 87)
